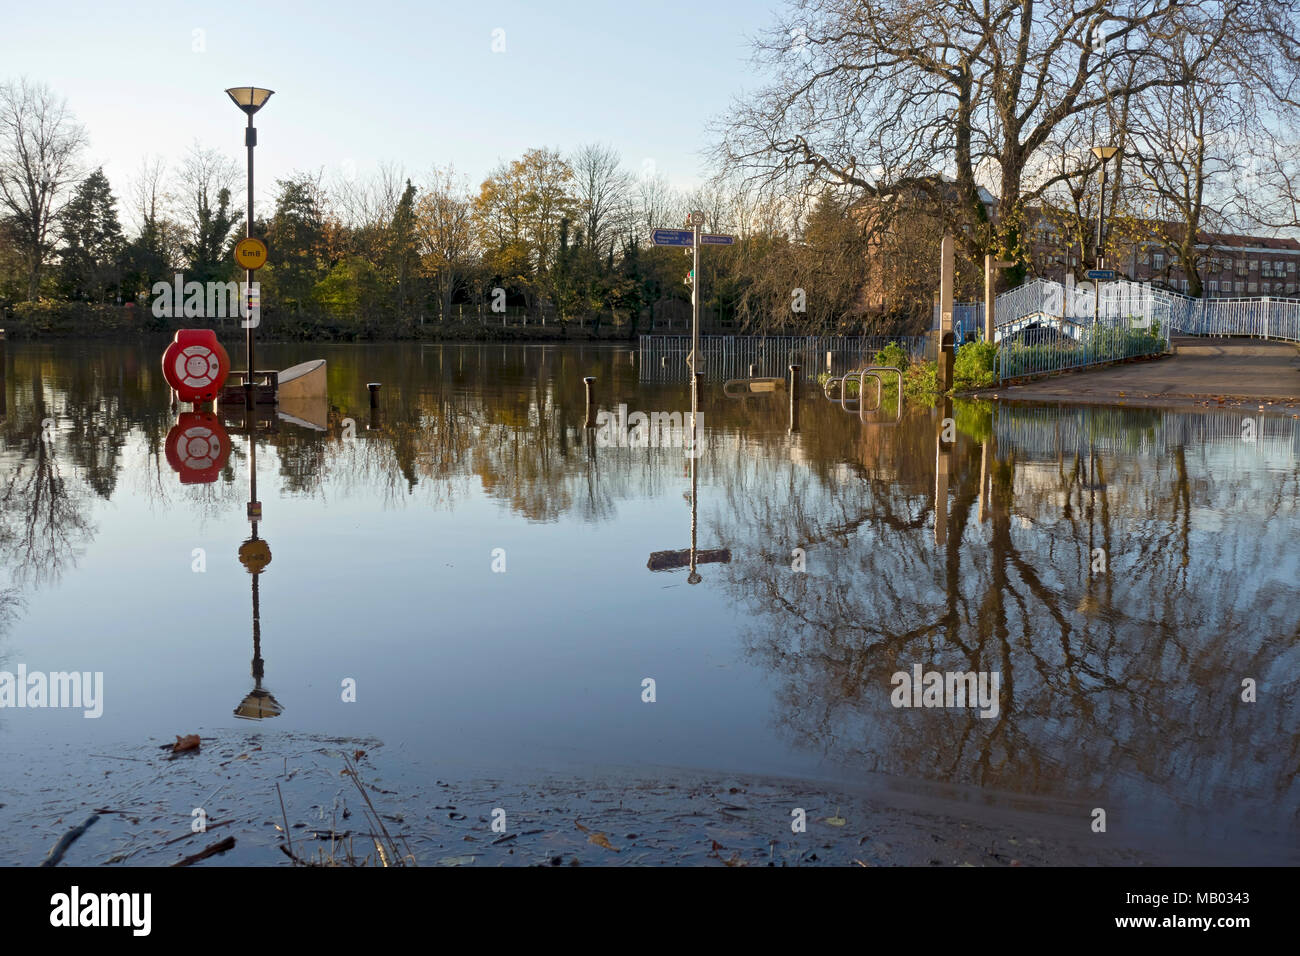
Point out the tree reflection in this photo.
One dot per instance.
(1122, 600)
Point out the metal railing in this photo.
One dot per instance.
(1048, 347)
(1044, 326)
(662, 358)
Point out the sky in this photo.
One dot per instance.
(418, 84)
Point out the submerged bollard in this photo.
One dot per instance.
(590, 383)
(374, 393)
(794, 398)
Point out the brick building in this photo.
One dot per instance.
(1229, 265)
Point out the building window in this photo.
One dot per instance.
(1158, 260)
(1241, 267)
(1213, 286)
(1254, 288)
(1227, 285)
(1254, 265)
(1290, 266)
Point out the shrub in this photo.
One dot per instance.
(921, 382)
(975, 365)
(893, 355)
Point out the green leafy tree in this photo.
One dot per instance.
(92, 252)
(295, 235)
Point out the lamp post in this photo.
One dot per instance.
(1103, 153)
(250, 99)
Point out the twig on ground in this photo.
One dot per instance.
(220, 847)
(65, 841)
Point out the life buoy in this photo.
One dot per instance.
(196, 365)
(197, 447)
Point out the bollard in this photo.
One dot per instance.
(663, 362)
(794, 398)
(374, 393)
(590, 382)
(830, 363)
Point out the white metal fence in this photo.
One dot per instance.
(1035, 323)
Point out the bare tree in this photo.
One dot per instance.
(603, 190)
(658, 204)
(40, 150)
(885, 95)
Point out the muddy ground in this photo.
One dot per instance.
(143, 800)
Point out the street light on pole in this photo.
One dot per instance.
(1105, 154)
(250, 99)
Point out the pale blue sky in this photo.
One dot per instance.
(418, 83)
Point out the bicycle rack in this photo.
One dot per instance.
(874, 371)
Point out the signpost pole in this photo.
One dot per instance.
(695, 310)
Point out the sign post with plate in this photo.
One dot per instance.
(691, 239)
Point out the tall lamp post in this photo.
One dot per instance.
(1105, 154)
(250, 99)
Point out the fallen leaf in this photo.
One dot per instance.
(601, 840)
(188, 742)
(836, 821)
(580, 827)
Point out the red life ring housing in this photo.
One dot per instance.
(196, 365)
(197, 447)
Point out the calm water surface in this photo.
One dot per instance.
(1123, 570)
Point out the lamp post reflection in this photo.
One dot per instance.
(255, 556)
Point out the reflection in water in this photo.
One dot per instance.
(1124, 570)
(255, 556)
(1122, 599)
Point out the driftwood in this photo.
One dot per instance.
(220, 846)
(65, 841)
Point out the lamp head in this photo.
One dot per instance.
(250, 99)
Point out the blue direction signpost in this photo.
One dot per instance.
(1103, 274)
(687, 238)
(673, 237)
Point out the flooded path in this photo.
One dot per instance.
(461, 585)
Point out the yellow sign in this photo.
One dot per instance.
(255, 555)
(250, 253)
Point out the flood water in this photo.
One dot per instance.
(476, 562)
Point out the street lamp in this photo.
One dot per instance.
(1103, 153)
(250, 99)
